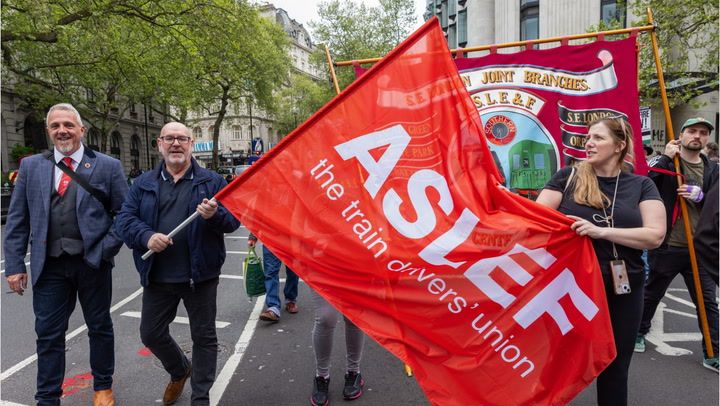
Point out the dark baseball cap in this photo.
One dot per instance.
(697, 120)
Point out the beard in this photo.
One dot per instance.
(693, 146)
(66, 147)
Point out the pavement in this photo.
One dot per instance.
(273, 364)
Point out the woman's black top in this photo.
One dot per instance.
(632, 190)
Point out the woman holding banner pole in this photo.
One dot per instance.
(623, 214)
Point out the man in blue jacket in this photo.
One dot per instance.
(185, 267)
(72, 248)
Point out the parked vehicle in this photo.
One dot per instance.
(240, 169)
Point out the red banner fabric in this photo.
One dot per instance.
(387, 202)
(535, 105)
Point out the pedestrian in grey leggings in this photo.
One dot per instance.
(326, 318)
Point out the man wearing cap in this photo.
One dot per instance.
(672, 257)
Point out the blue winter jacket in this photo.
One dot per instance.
(138, 219)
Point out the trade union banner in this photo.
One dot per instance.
(535, 105)
(388, 203)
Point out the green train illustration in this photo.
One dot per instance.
(531, 164)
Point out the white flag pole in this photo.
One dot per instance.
(177, 229)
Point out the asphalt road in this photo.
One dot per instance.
(273, 364)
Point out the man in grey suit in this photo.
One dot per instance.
(72, 248)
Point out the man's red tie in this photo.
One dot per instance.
(65, 179)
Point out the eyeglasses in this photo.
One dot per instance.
(180, 139)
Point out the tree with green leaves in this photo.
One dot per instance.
(242, 58)
(104, 55)
(688, 40)
(299, 100)
(100, 56)
(687, 32)
(356, 31)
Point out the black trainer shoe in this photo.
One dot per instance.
(353, 386)
(320, 391)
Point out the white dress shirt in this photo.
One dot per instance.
(76, 157)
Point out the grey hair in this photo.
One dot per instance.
(66, 107)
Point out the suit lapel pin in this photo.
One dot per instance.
(87, 165)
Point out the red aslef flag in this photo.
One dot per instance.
(387, 203)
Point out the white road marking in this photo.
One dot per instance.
(178, 319)
(680, 300)
(223, 276)
(678, 312)
(223, 378)
(29, 360)
(9, 403)
(237, 252)
(657, 335)
(240, 277)
(235, 238)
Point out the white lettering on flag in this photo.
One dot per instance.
(378, 171)
(547, 302)
(479, 272)
(426, 220)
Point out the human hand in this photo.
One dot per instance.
(159, 242)
(693, 193)
(586, 228)
(672, 148)
(207, 208)
(17, 282)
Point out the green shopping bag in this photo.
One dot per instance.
(253, 274)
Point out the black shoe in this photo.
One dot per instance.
(353, 386)
(320, 391)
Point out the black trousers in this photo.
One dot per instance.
(64, 281)
(159, 308)
(665, 264)
(625, 313)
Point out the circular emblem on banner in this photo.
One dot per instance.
(500, 130)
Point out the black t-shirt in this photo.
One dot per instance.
(632, 190)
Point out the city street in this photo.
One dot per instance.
(273, 364)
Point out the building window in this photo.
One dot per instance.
(197, 133)
(253, 132)
(135, 151)
(34, 133)
(115, 144)
(211, 130)
(444, 14)
(237, 134)
(452, 8)
(93, 139)
(451, 37)
(462, 28)
(529, 20)
(613, 10)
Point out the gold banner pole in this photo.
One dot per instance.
(332, 70)
(523, 43)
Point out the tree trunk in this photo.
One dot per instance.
(218, 123)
